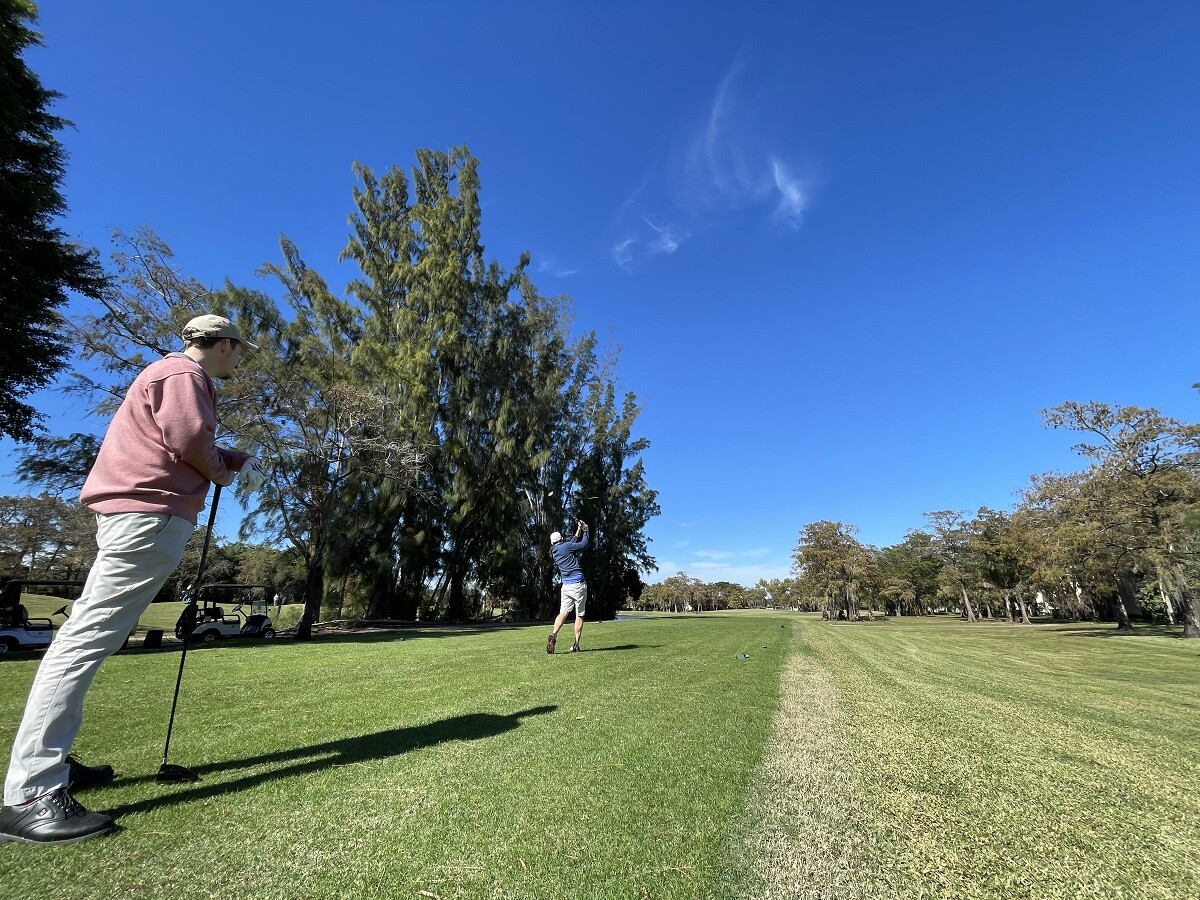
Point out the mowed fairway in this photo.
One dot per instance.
(982, 761)
(461, 764)
(911, 758)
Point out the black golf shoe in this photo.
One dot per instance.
(82, 777)
(56, 818)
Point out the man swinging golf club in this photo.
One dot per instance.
(574, 587)
(147, 487)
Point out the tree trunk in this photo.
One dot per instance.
(966, 602)
(1124, 586)
(1166, 599)
(1191, 620)
(383, 594)
(1024, 608)
(456, 608)
(314, 592)
(1187, 605)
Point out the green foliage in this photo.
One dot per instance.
(1137, 501)
(38, 265)
(422, 434)
(909, 573)
(830, 563)
(45, 537)
(1119, 540)
(59, 464)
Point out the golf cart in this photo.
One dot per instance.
(17, 630)
(212, 623)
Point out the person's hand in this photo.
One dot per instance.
(252, 474)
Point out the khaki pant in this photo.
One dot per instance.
(137, 553)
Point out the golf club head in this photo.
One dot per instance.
(169, 773)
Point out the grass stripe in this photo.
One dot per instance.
(998, 761)
(801, 840)
(465, 765)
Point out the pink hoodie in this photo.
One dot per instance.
(159, 453)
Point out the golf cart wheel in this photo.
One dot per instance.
(7, 646)
(209, 636)
(268, 634)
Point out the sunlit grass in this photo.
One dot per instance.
(994, 761)
(900, 759)
(462, 764)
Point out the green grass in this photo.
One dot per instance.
(994, 761)
(463, 764)
(914, 758)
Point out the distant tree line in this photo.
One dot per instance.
(1117, 541)
(424, 430)
(50, 537)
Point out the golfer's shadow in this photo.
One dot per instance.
(305, 760)
(617, 647)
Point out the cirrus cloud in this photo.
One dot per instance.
(726, 165)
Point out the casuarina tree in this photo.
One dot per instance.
(38, 265)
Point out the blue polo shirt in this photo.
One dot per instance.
(566, 557)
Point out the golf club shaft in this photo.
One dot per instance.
(187, 630)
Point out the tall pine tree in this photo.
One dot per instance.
(38, 265)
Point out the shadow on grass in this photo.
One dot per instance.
(353, 636)
(1111, 631)
(301, 761)
(618, 647)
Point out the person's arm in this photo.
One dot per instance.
(184, 410)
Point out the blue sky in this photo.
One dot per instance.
(849, 250)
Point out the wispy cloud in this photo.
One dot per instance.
(549, 266)
(727, 164)
(667, 239)
(744, 567)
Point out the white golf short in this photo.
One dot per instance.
(574, 597)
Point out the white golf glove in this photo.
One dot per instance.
(252, 474)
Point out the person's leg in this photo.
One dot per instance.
(137, 553)
(558, 623)
(564, 609)
(579, 601)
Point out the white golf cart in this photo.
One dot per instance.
(17, 630)
(214, 624)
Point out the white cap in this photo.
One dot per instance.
(211, 326)
(555, 537)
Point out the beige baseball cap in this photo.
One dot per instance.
(214, 326)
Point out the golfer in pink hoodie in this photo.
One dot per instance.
(147, 488)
